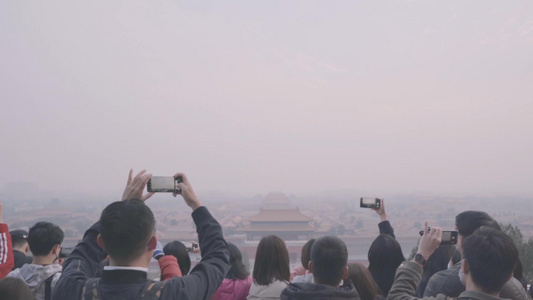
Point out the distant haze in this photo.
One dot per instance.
(257, 96)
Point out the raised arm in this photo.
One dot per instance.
(408, 274)
(205, 278)
(384, 225)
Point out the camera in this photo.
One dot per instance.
(448, 237)
(371, 202)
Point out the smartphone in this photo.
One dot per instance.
(163, 184)
(371, 202)
(191, 247)
(448, 237)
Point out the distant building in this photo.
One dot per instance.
(278, 217)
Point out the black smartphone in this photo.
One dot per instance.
(163, 184)
(370, 202)
(448, 237)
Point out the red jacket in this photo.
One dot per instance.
(233, 289)
(169, 267)
(6, 251)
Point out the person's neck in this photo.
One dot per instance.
(43, 260)
(21, 249)
(471, 286)
(138, 263)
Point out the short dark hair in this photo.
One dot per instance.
(306, 253)
(271, 261)
(385, 253)
(126, 229)
(237, 270)
(363, 281)
(468, 221)
(43, 236)
(491, 256)
(178, 250)
(329, 257)
(19, 242)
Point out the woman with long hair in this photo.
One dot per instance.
(385, 253)
(237, 282)
(271, 269)
(364, 283)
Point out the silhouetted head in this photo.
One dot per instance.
(178, 250)
(237, 270)
(385, 253)
(363, 281)
(469, 221)
(12, 288)
(271, 261)
(329, 257)
(490, 256)
(127, 231)
(306, 253)
(45, 237)
(19, 240)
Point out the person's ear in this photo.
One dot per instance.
(310, 267)
(27, 248)
(345, 273)
(100, 241)
(464, 266)
(152, 244)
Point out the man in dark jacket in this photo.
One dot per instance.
(126, 231)
(447, 281)
(329, 257)
(489, 258)
(19, 239)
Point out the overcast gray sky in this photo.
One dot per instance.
(250, 96)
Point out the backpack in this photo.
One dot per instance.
(151, 290)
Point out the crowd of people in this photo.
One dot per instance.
(111, 261)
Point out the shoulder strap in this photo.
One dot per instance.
(90, 289)
(48, 287)
(152, 290)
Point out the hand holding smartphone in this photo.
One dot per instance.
(448, 237)
(370, 202)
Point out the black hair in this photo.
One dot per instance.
(468, 221)
(438, 261)
(385, 253)
(178, 250)
(271, 261)
(306, 253)
(329, 257)
(237, 270)
(126, 229)
(12, 288)
(363, 281)
(43, 236)
(491, 257)
(456, 256)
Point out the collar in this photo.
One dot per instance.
(478, 295)
(124, 275)
(113, 268)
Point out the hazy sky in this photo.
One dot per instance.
(255, 96)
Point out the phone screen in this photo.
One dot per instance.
(162, 184)
(369, 201)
